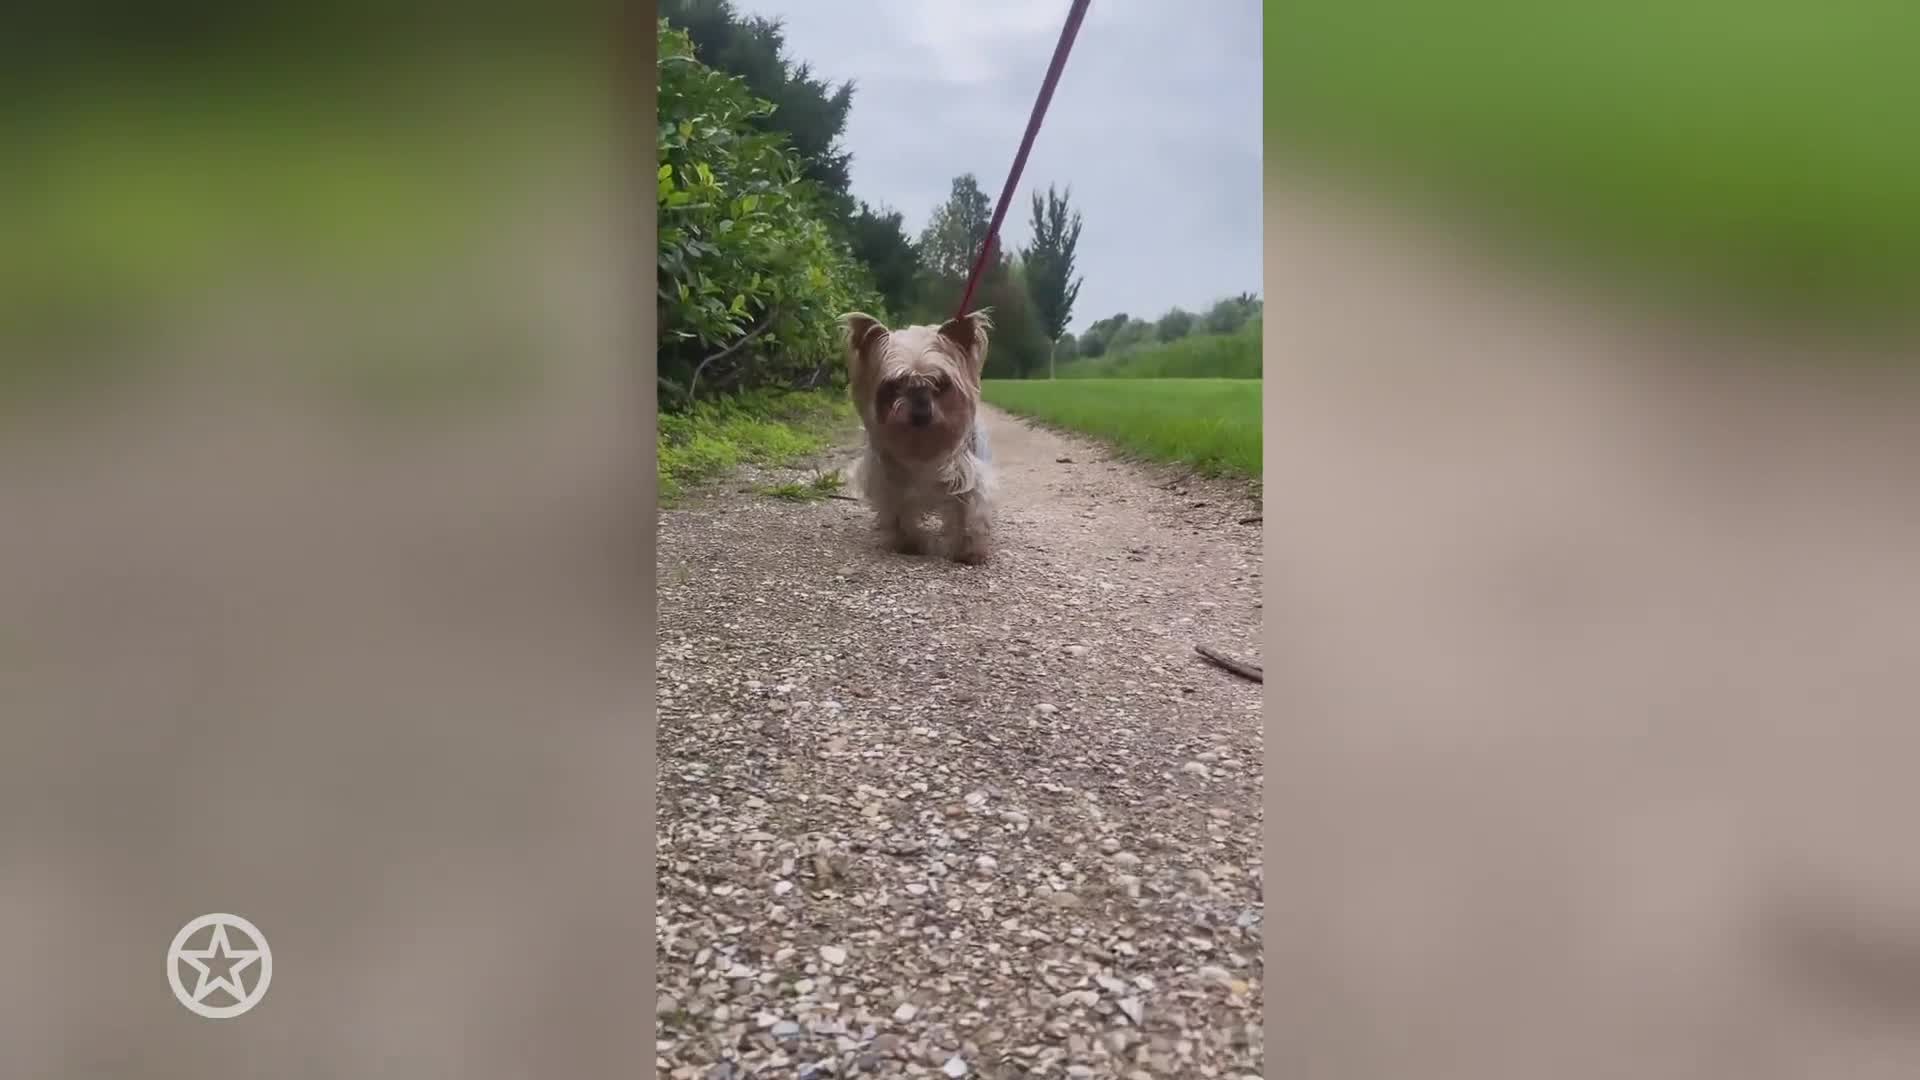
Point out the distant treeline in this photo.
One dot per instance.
(1198, 354)
(1118, 333)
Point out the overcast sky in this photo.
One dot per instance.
(1155, 125)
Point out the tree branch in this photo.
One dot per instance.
(693, 384)
(1250, 672)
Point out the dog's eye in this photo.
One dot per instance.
(940, 384)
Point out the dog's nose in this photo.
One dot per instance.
(920, 415)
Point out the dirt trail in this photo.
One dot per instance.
(912, 812)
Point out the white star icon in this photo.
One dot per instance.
(229, 960)
(220, 966)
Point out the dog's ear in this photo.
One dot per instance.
(864, 337)
(970, 333)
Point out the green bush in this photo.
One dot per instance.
(746, 258)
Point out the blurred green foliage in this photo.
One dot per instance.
(144, 204)
(1758, 152)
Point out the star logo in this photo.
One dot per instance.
(223, 979)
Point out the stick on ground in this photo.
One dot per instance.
(1250, 672)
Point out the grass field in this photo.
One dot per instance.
(1210, 424)
(1757, 151)
(1197, 356)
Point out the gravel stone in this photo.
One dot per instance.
(913, 820)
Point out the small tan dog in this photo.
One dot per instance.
(918, 392)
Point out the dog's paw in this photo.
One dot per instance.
(904, 544)
(974, 554)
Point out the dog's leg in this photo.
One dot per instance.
(900, 534)
(897, 523)
(969, 528)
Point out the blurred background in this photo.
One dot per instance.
(322, 541)
(182, 172)
(1591, 431)
(1749, 155)
(323, 532)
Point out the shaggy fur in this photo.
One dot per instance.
(918, 392)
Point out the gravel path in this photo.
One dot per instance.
(921, 819)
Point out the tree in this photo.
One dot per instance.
(1018, 345)
(1098, 337)
(947, 249)
(811, 112)
(1049, 259)
(1174, 325)
(951, 241)
(879, 240)
(1231, 313)
(1224, 317)
(1130, 333)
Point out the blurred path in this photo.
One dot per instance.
(368, 681)
(1597, 735)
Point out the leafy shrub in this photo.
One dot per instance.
(746, 259)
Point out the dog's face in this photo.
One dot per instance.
(917, 388)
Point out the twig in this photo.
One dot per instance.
(694, 383)
(846, 498)
(1245, 670)
(1254, 520)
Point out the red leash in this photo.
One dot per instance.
(1026, 145)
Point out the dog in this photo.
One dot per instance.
(918, 394)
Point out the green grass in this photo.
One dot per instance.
(1212, 425)
(1751, 151)
(766, 428)
(1197, 356)
(822, 485)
